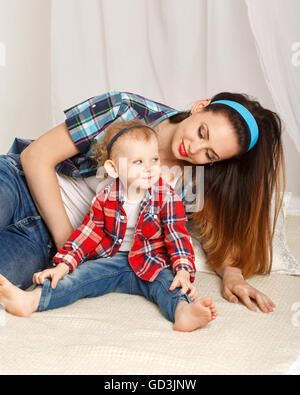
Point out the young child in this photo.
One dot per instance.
(135, 230)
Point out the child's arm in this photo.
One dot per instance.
(84, 239)
(55, 274)
(177, 237)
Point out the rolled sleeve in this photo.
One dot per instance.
(177, 237)
(88, 118)
(66, 258)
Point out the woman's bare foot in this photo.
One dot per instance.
(16, 301)
(191, 316)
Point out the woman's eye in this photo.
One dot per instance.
(208, 156)
(200, 133)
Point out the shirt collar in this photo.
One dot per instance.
(115, 192)
(168, 114)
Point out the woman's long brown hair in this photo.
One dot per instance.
(236, 224)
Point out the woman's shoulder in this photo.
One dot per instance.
(129, 96)
(109, 100)
(118, 103)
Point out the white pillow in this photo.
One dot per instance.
(283, 260)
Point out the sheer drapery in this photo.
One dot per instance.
(147, 47)
(276, 28)
(171, 51)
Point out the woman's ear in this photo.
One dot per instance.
(200, 104)
(111, 168)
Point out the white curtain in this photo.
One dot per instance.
(149, 47)
(276, 28)
(176, 51)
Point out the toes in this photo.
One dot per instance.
(206, 302)
(214, 312)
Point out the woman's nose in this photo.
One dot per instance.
(195, 147)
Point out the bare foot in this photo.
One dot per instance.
(16, 301)
(191, 316)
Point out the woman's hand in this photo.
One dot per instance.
(183, 280)
(55, 274)
(235, 288)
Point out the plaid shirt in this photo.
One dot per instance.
(161, 237)
(87, 120)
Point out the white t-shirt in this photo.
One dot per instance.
(132, 209)
(77, 195)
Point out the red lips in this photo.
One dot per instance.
(182, 150)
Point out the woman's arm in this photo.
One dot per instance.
(39, 160)
(235, 288)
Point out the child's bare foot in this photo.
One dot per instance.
(16, 301)
(191, 316)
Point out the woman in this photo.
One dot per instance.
(37, 210)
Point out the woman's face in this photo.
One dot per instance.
(204, 137)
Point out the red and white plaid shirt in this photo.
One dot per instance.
(161, 237)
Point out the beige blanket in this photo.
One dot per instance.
(123, 334)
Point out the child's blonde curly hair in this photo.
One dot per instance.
(99, 148)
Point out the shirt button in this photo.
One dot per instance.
(122, 217)
(120, 240)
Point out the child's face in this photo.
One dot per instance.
(143, 164)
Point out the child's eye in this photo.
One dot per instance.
(138, 162)
(155, 159)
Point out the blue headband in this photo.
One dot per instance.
(122, 132)
(247, 116)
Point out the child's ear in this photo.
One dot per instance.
(111, 168)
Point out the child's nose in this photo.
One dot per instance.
(148, 166)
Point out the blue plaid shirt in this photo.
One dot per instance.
(86, 121)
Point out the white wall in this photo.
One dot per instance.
(25, 107)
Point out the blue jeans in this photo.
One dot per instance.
(114, 274)
(26, 245)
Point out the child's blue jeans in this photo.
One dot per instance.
(114, 274)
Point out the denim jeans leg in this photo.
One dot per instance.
(91, 279)
(25, 241)
(159, 293)
(8, 199)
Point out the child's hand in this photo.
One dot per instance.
(182, 279)
(55, 274)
